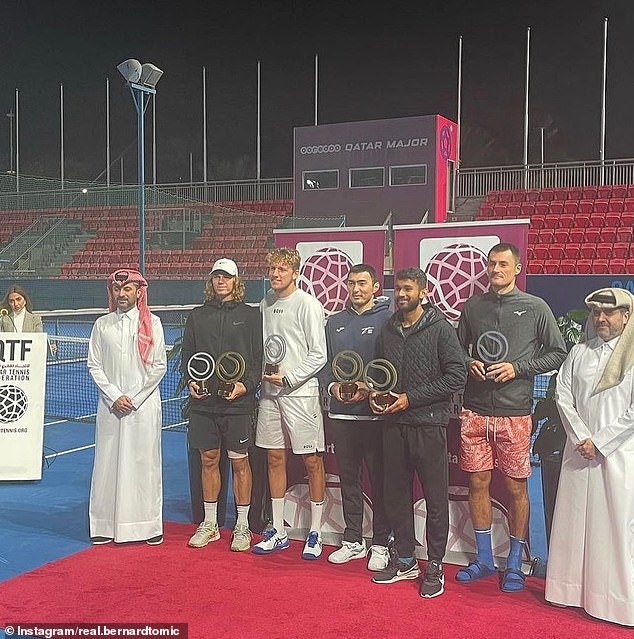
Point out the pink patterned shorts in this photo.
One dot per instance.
(489, 442)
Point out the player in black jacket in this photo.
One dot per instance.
(224, 323)
(424, 348)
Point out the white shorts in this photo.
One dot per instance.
(291, 422)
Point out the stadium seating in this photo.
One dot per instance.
(575, 230)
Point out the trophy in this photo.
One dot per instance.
(347, 368)
(200, 368)
(274, 353)
(230, 368)
(383, 383)
(492, 347)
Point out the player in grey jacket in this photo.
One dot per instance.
(509, 336)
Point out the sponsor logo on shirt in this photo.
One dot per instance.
(367, 330)
(238, 323)
(340, 328)
(278, 311)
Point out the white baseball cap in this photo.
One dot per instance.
(225, 265)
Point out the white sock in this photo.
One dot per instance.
(211, 512)
(243, 515)
(277, 505)
(316, 508)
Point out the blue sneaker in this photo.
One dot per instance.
(272, 541)
(312, 547)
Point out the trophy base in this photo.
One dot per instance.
(271, 369)
(203, 387)
(384, 399)
(225, 389)
(347, 390)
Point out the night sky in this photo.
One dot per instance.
(393, 60)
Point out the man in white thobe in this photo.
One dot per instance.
(591, 556)
(126, 359)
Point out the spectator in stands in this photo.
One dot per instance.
(17, 312)
(590, 556)
(423, 347)
(356, 430)
(224, 323)
(126, 359)
(509, 337)
(290, 408)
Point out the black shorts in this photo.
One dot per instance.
(231, 432)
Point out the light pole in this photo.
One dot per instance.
(141, 80)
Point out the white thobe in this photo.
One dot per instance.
(126, 494)
(591, 555)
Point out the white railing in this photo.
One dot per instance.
(477, 182)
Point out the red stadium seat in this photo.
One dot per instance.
(542, 208)
(604, 250)
(600, 266)
(532, 195)
(537, 221)
(499, 209)
(504, 196)
(590, 193)
(618, 265)
(613, 219)
(575, 193)
(551, 267)
(546, 236)
(571, 206)
(551, 221)
(630, 190)
(533, 237)
(546, 195)
(556, 251)
(527, 209)
(541, 252)
(491, 197)
(561, 194)
(584, 266)
(629, 265)
(624, 234)
(560, 236)
(597, 220)
(607, 234)
(585, 206)
(627, 219)
(571, 251)
(600, 206)
(566, 220)
(592, 235)
(588, 251)
(621, 250)
(567, 266)
(619, 190)
(556, 207)
(535, 267)
(604, 191)
(616, 205)
(513, 210)
(518, 195)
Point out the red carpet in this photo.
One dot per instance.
(221, 594)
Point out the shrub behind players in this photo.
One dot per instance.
(357, 431)
(290, 408)
(496, 419)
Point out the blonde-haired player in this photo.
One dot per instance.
(290, 412)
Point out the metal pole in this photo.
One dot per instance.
(191, 169)
(316, 84)
(528, 64)
(121, 168)
(603, 90)
(139, 103)
(17, 142)
(61, 134)
(108, 132)
(459, 121)
(541, 155)
(154, 139)
(257, 164)
(11, 116)
(205, 126)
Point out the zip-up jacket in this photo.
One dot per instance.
(215, 328)
(351, 331)
(430, 365)
(518, 328)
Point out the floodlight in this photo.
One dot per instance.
(131, 70)
(150, 75)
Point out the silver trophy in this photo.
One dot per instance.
(200, 368)
(347, 368)
(380, 376)
(230, 369)
(492, 347)
(274, 353)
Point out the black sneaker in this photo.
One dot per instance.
(433, 583)
(154, 541)
(397, 570)
(98, 541)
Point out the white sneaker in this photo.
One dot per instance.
(312, 547)
(206, 533)
(349, 550)
(272, 541)
(379, 558)
(241, 541)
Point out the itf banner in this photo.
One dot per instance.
(22, 383)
